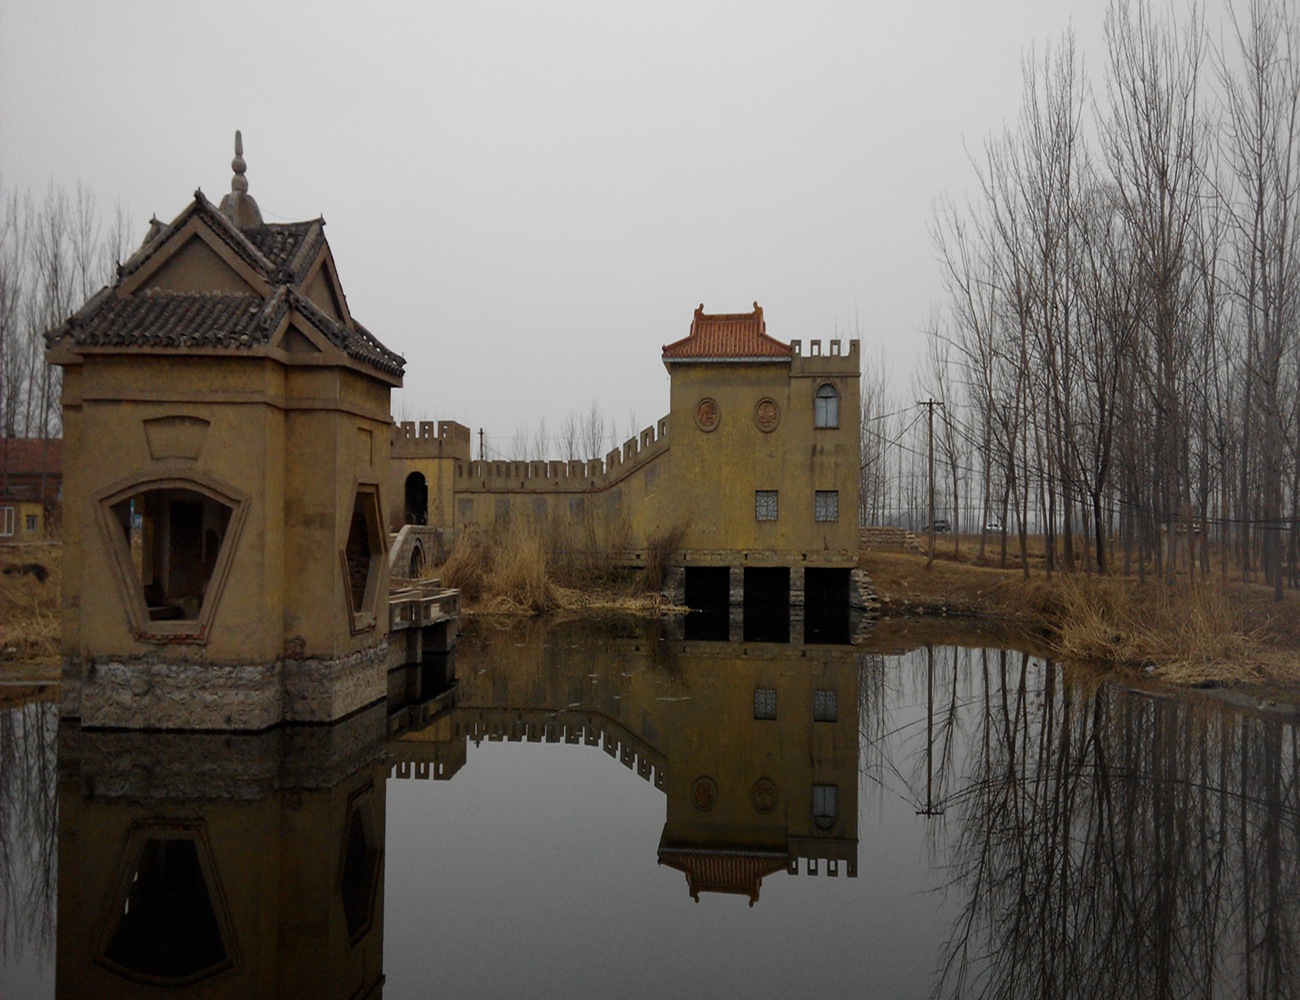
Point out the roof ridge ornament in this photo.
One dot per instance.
(239, 206)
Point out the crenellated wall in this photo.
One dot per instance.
(697, 481)
(546, 477)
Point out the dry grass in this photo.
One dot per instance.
(502, 572)
(524, 569)
(1189, 633)
(29, 607)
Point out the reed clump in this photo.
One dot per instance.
(29, 602)
(1187, 632)
(504, 570)
(525, 567)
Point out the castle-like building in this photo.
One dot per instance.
(748, 486)
(234, 481)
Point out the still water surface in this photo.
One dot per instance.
(577, 811)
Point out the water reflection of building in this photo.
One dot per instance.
(754, 745)
(205, 865)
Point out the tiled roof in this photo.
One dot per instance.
(740, 872)
(727, 337)
(282, 253)
(173, 319)
(155, 318)
(31, 456)
(288, 245)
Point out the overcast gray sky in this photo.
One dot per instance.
(528, 199)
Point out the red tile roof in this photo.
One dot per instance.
(727, 337)
(739, 872)
(31, 456)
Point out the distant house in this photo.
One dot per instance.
(31, 488)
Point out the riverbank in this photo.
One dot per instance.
(1215, 634)
(1206, 634)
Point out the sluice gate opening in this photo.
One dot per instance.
(827, 606)
(766, 616)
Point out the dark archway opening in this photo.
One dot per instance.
(767, 604)
(417, 499)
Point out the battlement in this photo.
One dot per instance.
(815, 360)
(427, 439)
(551, 476)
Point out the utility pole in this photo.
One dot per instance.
(480, 444)
(930, 404)
(930, 808)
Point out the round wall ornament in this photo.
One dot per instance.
(704, 793)
(707, 414)
(764, 795)
(767, 415)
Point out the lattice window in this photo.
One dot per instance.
(765, 505)
(825, 707)
(826, 505)
(765, 703)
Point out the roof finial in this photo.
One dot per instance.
(239, 206)
(239, 182)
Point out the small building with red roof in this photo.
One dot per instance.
(31, 488)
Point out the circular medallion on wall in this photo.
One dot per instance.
(704, 793)
(764, 795)
(767, 415)
(707, 414)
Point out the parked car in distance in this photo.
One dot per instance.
(941, 526)
(993, 524)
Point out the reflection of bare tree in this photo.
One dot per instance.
(28, 820)
(1110, 844)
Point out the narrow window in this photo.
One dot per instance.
(764, 703)
(6, 521)
(765, 505)
(824, 706)
(827, 407)
(823, 806)
(827, 505)
(31, 522)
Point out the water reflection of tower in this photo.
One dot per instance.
(762, 766)
(204, 865)
(755, 745)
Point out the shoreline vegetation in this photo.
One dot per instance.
(1196, 631)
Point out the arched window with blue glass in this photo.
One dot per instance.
(826, 406)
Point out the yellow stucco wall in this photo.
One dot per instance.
(285, 443)
(676, 477)
(716, 473)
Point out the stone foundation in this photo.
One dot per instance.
(152, 693)
(862, 594)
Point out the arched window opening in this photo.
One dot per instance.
(826, 407)
(174, 536)
(824, 806)
(417, 499)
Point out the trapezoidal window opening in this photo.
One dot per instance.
(174, 536)
(167, 925)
